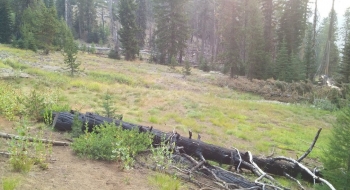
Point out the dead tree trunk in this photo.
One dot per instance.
(196, 148)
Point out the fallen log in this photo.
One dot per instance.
(31, 139)
(192, 147)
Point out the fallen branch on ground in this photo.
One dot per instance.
(5, 154)
(311, 146)
(31, 139)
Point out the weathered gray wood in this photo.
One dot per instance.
(30, 139)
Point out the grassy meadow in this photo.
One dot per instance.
(151, 94)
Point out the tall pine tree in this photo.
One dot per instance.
(128, 31)
(172, 28)
(282, 63)
(141, 22)
(345, 64)
(85, 20)
(256, 54)
(5, 22)
(309, 56)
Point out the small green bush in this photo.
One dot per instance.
(113, 54)
(186, 70)
(109, 142)
(324, 104)
(10, 107)
(204, 66)
(9, 183)
(24, 154)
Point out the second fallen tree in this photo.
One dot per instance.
(196, 148)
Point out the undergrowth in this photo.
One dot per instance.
(110, 142)
(9, 183)
(24, 153)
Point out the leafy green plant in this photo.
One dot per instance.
(109, 142)
(9, 183)
(161, 155)
(20, 159)
(9, 106)
(23, 153)
(34, 104)
(76, 127)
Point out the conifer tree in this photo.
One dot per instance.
(296, 69)
(345, 64)
(141, 22)
(48, 28)
(282, 62)
(128, 31)
(337, 158)
(346, 26)
(85, 20)
(309, 56)
(5, 22)
(39, 23)
(49, 3)
(256, 61)
(70, 52)
(172, 28)
(292, 23)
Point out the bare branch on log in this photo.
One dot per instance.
(292, 178)
(263, 174)
(311, 146)
(240, 158)
(315, 169)
(197, 166)
(306, 169)
(30, 139)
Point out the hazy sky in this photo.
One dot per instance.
(324, 7)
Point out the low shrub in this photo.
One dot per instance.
(109, 142)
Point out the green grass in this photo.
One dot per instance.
(112, 77)
(10, 183)
(3, 65)
(148, 94)
(166, 182)
(15, 64)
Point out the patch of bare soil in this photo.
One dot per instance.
(67, 171)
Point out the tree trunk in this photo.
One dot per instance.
(63, 122)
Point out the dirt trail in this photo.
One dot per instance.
(67, 171)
